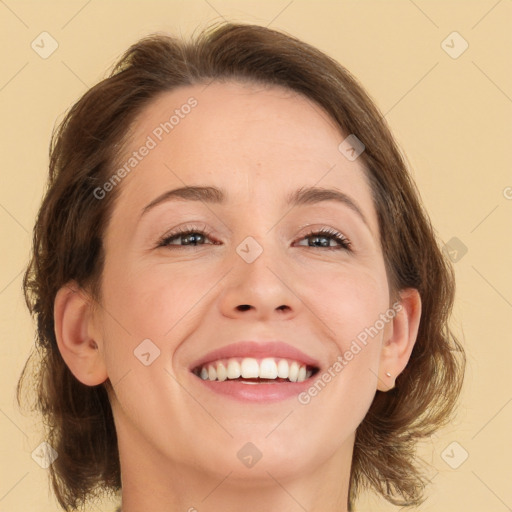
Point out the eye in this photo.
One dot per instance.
(318, 239)
(187, 235)
(192, 236)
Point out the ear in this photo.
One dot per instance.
(73, 327)
(397, 348)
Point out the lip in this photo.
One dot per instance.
(255, 349)
(264, 392)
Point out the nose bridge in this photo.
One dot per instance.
(258, 280)
(258, 258)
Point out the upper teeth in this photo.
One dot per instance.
(247, 368)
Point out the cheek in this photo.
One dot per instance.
(348, 300)
(161, 303)
(149, 301)
(350, 303)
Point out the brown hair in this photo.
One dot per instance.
(67, 245)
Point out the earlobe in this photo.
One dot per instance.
(397, 349)
(72, 317)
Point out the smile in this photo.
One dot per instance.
(250, 370)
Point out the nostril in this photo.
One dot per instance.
(243, 307)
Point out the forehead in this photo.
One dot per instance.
(251, 140)
(220, 107)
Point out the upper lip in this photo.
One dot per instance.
(256, 349)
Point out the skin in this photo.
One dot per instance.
(178, 441)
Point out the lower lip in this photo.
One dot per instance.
(264, 392)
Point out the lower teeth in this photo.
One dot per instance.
(256, 380)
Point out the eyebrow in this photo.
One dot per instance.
(302, 196)
(313, 195)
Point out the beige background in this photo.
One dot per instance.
(451, 116)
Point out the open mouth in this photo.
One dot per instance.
(249, 370)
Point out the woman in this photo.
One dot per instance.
(241, 301)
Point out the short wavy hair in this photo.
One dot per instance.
(67, 245)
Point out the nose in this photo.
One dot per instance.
(262, 290)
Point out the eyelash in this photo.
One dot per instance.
(343, 241)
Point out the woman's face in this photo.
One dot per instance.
(250, 271)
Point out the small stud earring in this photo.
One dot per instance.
(388, 374)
